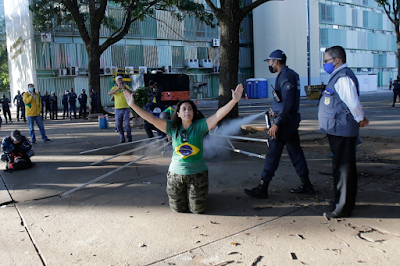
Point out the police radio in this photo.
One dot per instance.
(276, 95)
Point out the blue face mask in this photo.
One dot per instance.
(329, 67)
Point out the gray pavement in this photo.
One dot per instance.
(124, 219)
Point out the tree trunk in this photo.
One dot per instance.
(229, 63)
(94, 75)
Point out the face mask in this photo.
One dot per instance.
(329, 67)
(271, 69)
(31, 89)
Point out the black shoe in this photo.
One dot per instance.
(306, 186)
(122, 141)
(47, 140)
(129, 140)
(304, 189)
(330, 215)
(261, 191)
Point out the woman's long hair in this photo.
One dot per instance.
(177, 121)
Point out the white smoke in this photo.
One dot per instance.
(212, 145)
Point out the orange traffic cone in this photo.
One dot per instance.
(197, 101)
(245, 97)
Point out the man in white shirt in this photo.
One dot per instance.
(340, 116)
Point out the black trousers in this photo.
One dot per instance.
(289, 136)
(344, 172)
(54, 111)
(149, 130)
(47, 110)
(21, 110)
(396, 93)
(65, 112)
(82, 111)
(5, 113)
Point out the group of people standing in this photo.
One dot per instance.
(49, 105)
(69, 103)
(340, 116)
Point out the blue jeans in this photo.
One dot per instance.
(39, 123)
(122, 115)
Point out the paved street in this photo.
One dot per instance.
(124, 219)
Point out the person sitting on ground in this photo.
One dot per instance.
(187, 177)
(17, 151)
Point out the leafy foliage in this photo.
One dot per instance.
(141, 97)
(392, 9)
(4, 77)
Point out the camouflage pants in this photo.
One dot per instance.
(187, 192)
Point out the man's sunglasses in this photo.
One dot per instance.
(184, 136)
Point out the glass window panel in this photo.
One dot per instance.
(134, 55)
(178, 56)
(118, 55)
(202, 53)
(164, 56)
(150, 55)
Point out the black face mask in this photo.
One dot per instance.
(271, 68)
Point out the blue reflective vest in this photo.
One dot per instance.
(334, 116)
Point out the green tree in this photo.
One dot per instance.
(229, 16)
(89, 15)
(4, 78)
(392, 9)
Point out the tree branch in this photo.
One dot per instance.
(79, 20)
(214, 9)
(99, 15)
(125, 25)
(246, 10)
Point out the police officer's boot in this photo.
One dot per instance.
(261, 191)
(305, 188)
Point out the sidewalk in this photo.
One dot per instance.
(124, 219)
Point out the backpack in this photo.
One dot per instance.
(19, 161)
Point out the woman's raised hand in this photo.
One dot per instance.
(129, 97)
(237, 93)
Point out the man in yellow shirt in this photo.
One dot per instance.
(33, 106)
(121, 108)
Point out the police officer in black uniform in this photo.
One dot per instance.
(20, 106)
(53, 106)
(72, 103)
(82, 98)
(94, 102)
(396, 89)
(65, 104)
(46, 104)
(285, 129)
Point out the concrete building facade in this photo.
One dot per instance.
(304, 29)
(58, 60)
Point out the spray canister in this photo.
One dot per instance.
(267, 120)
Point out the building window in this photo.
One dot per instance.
(326, 13)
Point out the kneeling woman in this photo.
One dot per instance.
(187, 178)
